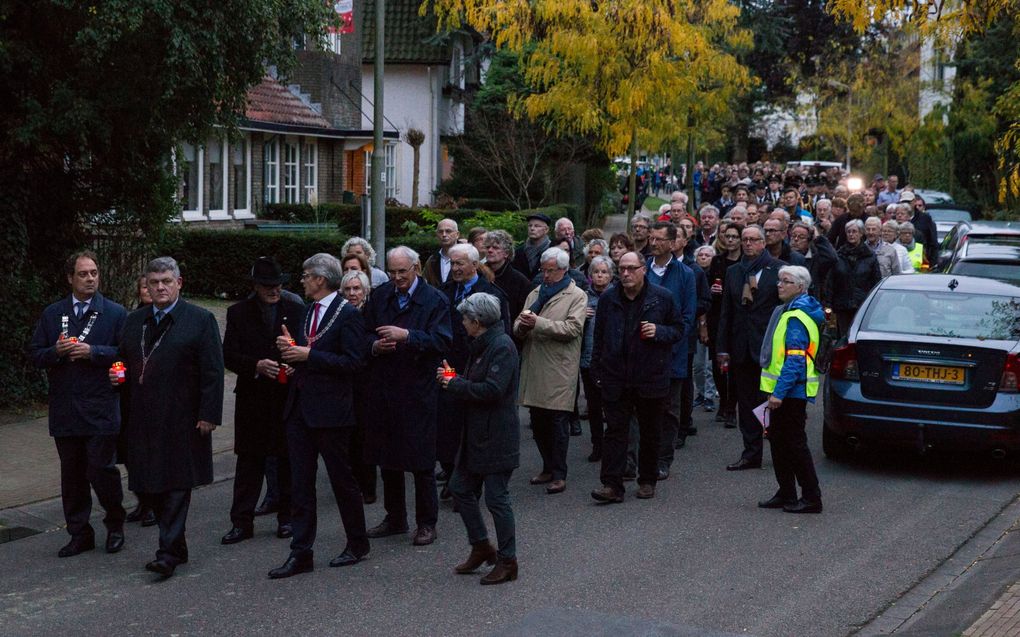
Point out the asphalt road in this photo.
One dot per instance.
(699, 559)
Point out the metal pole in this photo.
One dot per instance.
(378, 151)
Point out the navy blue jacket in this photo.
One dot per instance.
(403, 392)
(323, 386)
(81, 400)
(681, 282)
(620, 358)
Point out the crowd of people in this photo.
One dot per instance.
(420, 368)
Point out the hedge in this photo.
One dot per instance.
(217, 262)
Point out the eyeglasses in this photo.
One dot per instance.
(772, 230)
(630, 268)
(752, 240)
(732, 237)
(307, 275)
(400, 272)
(786, 282)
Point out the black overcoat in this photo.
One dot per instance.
(451, 419)
(486, 394)
(258, 409)
(403, 393)
(81, 400)
(183, 384)
(742, 327)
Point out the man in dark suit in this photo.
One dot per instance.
(465, 280)
(249, 350)
(75, 341)
(329, 352)
(409, 327)
(174, 389)
(527, 255)
(749, 296)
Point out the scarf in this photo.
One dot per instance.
(748, 268)
(534, 252)
(546, 292)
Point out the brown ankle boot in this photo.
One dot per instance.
(481, 553)
(504, 571)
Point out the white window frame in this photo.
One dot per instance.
(197, 214)
(291, 187)
(389, 171)
(309, 171)
(242, 212)
(221, 212)
(271, 191)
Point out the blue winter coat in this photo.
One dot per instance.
(793, 377)
(681, 283)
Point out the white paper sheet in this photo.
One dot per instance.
(761, 412)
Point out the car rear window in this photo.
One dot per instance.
(948, 215)
(937, 313)
(989, 270)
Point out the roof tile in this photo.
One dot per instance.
(271, 102)
(407, 35)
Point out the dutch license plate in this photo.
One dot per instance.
(928, 373)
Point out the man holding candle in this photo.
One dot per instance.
(249, 350)
(636, 325)
(174, 361)
(75, 341)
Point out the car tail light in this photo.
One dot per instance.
(844, 363)
(1010, 374)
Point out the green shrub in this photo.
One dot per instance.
(483, 203)
(217, 262)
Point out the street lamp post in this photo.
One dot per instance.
(378, 151)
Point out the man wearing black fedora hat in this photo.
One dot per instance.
(249, 350)
(527, 254)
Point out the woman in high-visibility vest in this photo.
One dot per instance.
(788, 375)
(914, 248)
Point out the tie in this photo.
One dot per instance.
(79, 309)
(460, 293)
(315, 321)
(403, 299)
(159, 316)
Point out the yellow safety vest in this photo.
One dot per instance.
(770, 375)
(916, 256)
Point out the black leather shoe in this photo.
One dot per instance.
(575, 428)
(663, 474)
(135, 514)
(775, 502)
(680, 443)
(385, 529)
(114, 541)
(161, 567)
(804, 506)
(293, 566)
(346, 559)
(424, 535)
(368, 498)
(742, 464)
(266, 508)
(236, 535)
(148, 517)
(284, 531)
(76, 546)
(442, 476)
(691, 431)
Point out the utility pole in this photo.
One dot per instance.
(378, 150)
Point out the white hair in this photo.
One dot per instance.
(404, 251)
(706, 248)
(855, 223)
(481, 307)
(561, 258)
(596, 242)
(327, 266)
(798, 273)
(603, 260)
(464, 248)
(563, 221)
(358, 241)
(359, 275)
(664, 208)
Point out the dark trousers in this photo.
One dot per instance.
(466, 488)
(85, 461)
(171, 508)
(844, 318)
(306, 444)
(727, 398)
(273, 480)
(791, 458)
(364, 473)
(250, 471)
(426, 500)
(673, 424)
(687, 397)
(649, 412)
(596, 416)
(551, 430)
(746, 377)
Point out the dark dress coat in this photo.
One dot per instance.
(183, 384)
(515, 287)
(450, 420)
(486, 395)
(258, 411)
(403, 391)
(681, 283)
(322, 387)
(853, 275)
(81, 400)
(742, 327)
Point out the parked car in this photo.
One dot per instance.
(946, 218)
(956, 241)
(990, 258)
(932, 197)
(929, 362)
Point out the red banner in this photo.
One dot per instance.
(345, 9)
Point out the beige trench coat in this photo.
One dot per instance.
(552, 350)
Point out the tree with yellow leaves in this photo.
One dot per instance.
(621, 72)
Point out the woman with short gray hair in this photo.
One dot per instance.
(357, 245)
(486, 393)
(852, 277)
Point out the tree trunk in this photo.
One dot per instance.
(689, 177)
(632, 186)
(414, 178)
